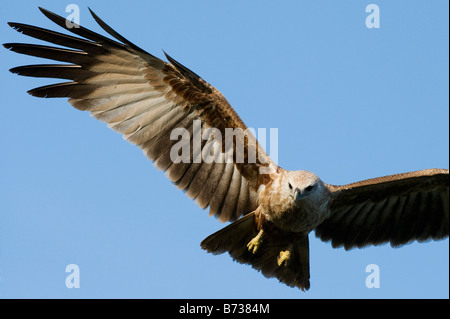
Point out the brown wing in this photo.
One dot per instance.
(145, 99)
(397, 209)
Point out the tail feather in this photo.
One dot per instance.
(234, 238)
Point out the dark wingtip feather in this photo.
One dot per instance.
(115, 34)
(45, 11)
(81, 31)
(64, 89)
(16, 26)
(184, 70)
(110, 30)
(14, 70)
(48, 13)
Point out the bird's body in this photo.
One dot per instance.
(295, 201)
(273, 210)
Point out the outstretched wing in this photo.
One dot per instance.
(146, 99)
(397, 209)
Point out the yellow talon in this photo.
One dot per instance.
(254, 244)
(283, 257)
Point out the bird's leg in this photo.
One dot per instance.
(284, 257)
(254, 244)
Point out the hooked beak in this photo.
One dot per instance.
(298, 194)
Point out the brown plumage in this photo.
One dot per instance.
(146, 99)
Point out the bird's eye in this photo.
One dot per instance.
(309, 188)
(290, 186)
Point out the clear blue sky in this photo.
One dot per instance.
(349, 103)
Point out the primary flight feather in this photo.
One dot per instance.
(273, 209)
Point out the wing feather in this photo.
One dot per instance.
(397, 209)
(145, 98)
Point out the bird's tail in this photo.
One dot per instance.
(281, 254)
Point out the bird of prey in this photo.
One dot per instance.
(272, 210)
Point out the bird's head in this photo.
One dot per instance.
(304, 186)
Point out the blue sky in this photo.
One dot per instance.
(349, 103)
